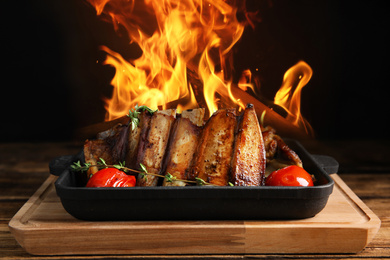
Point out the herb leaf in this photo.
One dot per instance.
(102, 162)
(143, 168)
(76, 166)
(143, 108)
(144, 172)
(134, 113)
(200, 181)
(169, 177)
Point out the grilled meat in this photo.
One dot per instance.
(95, 149)
(196, 116)
(248, 163)
(286, 154)
(153, 143)
(111, 146)
(183, 143)
(212, 158)
(134, 139)
(270, 143)
(278, 153)
(226, 148)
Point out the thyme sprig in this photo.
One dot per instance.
(77, 166)
(135, 112)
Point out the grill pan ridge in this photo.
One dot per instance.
(196, 202)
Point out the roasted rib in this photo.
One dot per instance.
(95, 149)
(111, 146)
(278, 153)
(134, 139)
(153, 143)
(248, 163)
(213, 156)
(182, 145)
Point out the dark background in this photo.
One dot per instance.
(53, 80)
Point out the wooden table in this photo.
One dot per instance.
(24, 167)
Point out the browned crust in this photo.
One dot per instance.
(134, 139)
(153, 143)
(249, 162)
(95, 149)
(214, 152)
(182, 147)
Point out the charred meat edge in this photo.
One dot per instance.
(213, 156)
(182, 145)
(249, 162)
(153, 143)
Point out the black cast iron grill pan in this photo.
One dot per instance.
(196, 202)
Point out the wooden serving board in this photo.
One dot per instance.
(43, 227)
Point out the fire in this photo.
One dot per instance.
(289, 94)
(173, 35)
(245, 81)
(178, 36)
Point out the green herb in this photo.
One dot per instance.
(134, 113)
(169, 177)
(102, 162)
(143, 108)
(200, 181)
(134, 120)
(76, 166)
(143, 168)
(120, 166)
(144, 172)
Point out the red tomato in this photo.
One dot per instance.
(289, 176)
(111, 177)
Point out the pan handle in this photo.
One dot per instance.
(328, 163)
(62, 163)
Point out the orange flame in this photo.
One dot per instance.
(177, 35)
(289, 94)
(173, 35)
(245, 81)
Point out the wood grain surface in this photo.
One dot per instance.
(346, 225)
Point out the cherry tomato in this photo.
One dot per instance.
(111, 177)
(289, 176)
